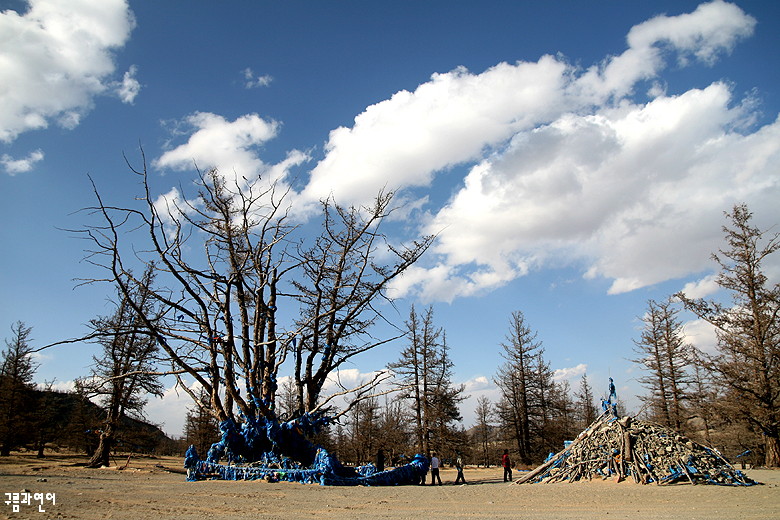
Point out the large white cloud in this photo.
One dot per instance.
(635, 191)
(452, 118)
(404, 140)
(566, 165)
(55, 58)
(702, 335)
(570, 373)
(215, 142)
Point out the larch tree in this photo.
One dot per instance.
(586, 408)
(424, 378)
(665, 356)
(747, 362)
(395, 434)
(483, 429)
(546, 434)
(516, 379)
(200, 427)
(363, 431)
(17, 369)
(702, 397)
(124, 373)
(230, 278)
(565, 410)
(412, 371)
(446, 399)
(50, 413)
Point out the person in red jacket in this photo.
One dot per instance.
(507, 464)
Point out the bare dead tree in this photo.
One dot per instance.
(218, 323)
(341, 289)
(227, 268)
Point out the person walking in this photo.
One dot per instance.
(459, 467)
(506, 462)
(424, 476)
(435, 469)
(380, 460)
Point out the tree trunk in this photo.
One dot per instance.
(772, 452)
(103, 452)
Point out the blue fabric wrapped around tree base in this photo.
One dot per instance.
(269, 450)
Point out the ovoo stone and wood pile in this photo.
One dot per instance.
(643, 451)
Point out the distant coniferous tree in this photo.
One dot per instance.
(413, 372)
(483, 429)
(424, 375)
(50, 415)
(364, 430)
(79, 433)
(517, 379)
(566, 411)
(702, 398)
(665, 356)
(586, 407)
(200, 426)
(16, 389)
(447, 396)
(287, 399)
(546, 435)
(395, 436)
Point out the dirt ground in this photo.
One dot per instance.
(145, 489)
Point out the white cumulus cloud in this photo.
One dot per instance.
(129, 87)
(701, 335)
(55, 58)
(13, 166)
(478, 383)
(232, 147)
(632, 190)
(712, 29)
(215, 142)
(569, 373)
(636, 192)
(404, 140)
(702, 288)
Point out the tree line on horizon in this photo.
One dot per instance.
(228, 295)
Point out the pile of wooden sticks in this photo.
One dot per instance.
(628, 448)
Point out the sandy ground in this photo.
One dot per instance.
(145, 490)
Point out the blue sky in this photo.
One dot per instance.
(575, 158)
